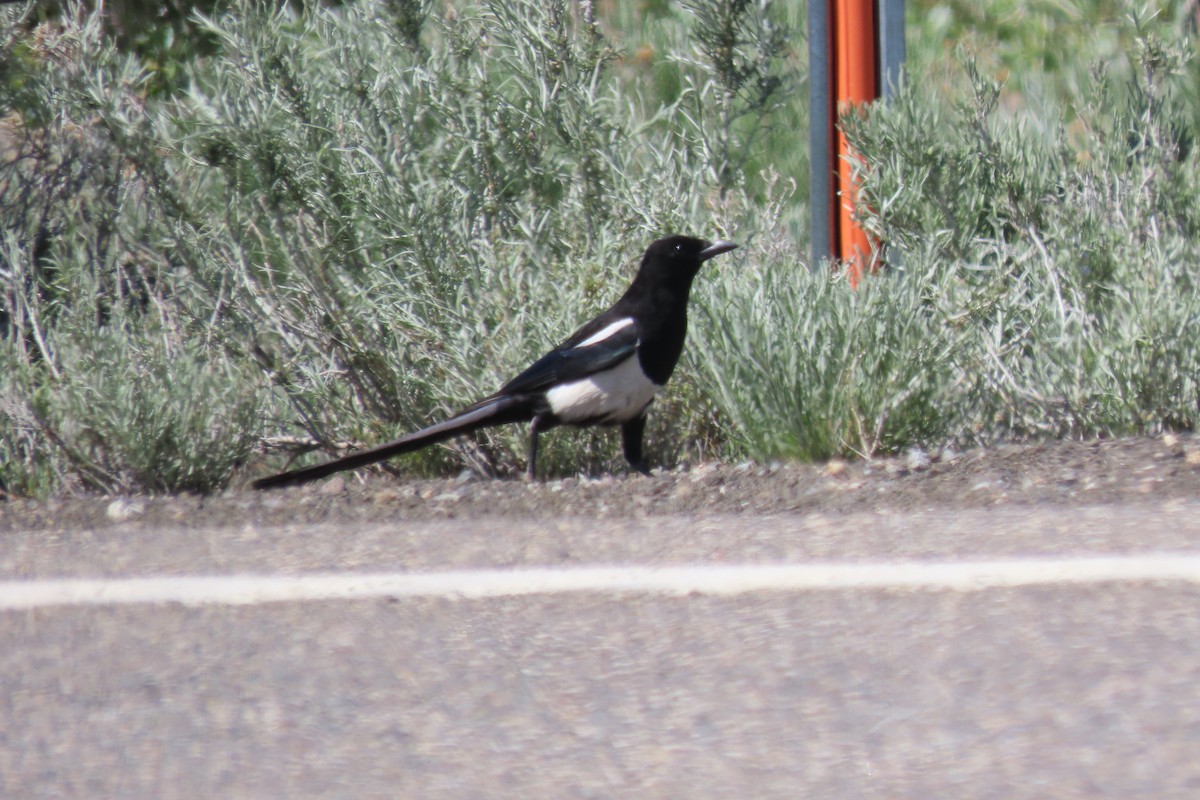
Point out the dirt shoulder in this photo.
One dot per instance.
(1094, 473)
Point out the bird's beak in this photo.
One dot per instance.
(715, 249)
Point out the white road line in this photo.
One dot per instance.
(672, 580)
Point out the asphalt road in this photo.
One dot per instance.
(1049, 689)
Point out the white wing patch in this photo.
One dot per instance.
(613, 395)
(605, 332)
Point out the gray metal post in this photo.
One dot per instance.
(820, 132)
(892, 50)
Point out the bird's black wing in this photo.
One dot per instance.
(566, 364)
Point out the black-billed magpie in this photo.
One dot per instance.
(606, 373)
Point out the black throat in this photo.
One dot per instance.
(659, 304)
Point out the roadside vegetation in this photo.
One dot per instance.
(318, 227)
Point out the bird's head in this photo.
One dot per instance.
(676, 258)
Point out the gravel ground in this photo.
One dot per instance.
(1141, 470)
(1089, 689)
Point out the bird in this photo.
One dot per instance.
(605, 373)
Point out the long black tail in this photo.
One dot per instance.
(493, 411)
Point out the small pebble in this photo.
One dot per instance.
(917, 459)
(123, 509)
(335, 485)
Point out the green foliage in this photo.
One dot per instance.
(801, 366)
(329, 225)
(379, 212)
(1041, 280)
(119, 419)
(747, 45)
(394, 228)
(1078, 261)
(104, 384)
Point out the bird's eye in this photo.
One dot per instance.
(678, 249)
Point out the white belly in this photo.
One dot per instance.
(615, 395)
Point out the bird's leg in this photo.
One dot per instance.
(531, 468)
(631, 441)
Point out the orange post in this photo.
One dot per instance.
(855, 83)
